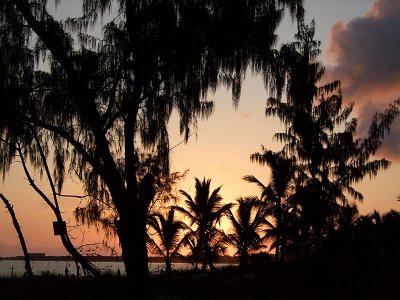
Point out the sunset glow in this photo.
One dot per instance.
(360, 47)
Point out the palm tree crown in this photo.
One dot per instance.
(276, 196)
(247, 223)
(204, 212)
(168, 233)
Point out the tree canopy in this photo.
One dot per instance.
(320, 139)
(104, 101)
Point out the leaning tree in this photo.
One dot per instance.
(104, 100)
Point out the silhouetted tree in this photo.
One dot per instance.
(53, 201)
(163, 186)
(168, 236)
(364, 244)
(328, 160)
(388, 228)
(216, 247)
(28, 267)
(340, 235)
(247, 226)
(103, 100)
(191, 243)
(276, 196)
(346, 216)
(31, 148)
(203, 212)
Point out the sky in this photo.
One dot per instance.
(360, 47)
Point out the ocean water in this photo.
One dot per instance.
(15, 268)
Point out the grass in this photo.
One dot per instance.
(292, 280)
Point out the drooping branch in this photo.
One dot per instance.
(64, 236)
(46, 30)
(46, 167)
(32, 181)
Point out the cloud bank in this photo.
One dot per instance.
(365, 55)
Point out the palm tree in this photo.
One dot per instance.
(276, 195)
(204, 213)
(217, 246)
(169, 237)
(191, 243)
(346, 217)
(247, 222)
(340, 240)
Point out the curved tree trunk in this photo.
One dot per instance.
(28, 267)
(56, 210)
(77, 256)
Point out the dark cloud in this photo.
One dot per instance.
(365, 55)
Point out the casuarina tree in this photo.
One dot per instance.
(105, 100)
(321, 137)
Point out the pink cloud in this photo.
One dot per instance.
(365, 55)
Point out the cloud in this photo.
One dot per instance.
(365, 55)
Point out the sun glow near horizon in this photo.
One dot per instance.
(220, 150)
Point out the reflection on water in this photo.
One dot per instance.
(16, 268)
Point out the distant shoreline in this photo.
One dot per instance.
(224, 259)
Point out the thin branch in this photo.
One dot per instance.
(183, 141)
(33, 184)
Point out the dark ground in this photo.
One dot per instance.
(293, 280)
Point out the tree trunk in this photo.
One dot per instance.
(168, 264)
(244, 261)
(132, 233)
(56, 210)
(28, 267)
(79, 258)
(283, 248)
(277, 247)
(278, 231)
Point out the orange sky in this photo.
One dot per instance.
(223, 144)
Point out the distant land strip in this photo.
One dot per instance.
(41, 257)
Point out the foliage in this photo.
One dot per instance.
(204, 212)
(104, 101)
(320, 144)
(277, 198)
(168, 236)
(247, 225)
